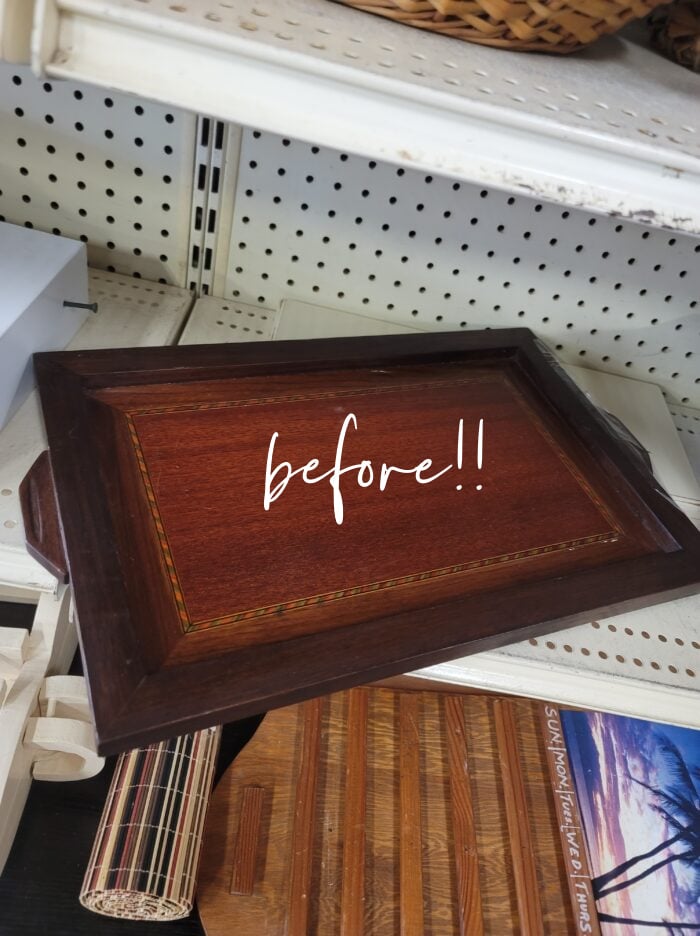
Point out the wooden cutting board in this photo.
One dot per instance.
(377, 812)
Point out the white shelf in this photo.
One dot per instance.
(645, 664)
(614, 129)
(132, 312)
(216, 321)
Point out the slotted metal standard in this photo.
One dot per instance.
(612, 129)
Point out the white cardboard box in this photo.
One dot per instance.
(38, 273)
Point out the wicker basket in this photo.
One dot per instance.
(527, 25)
(676, 32)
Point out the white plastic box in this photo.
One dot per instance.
(38, 273)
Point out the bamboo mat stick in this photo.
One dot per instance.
(144, 861)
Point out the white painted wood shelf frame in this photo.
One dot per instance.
(614, 129)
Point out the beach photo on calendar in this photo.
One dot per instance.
(638, 787)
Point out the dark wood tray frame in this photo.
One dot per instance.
(135, 700)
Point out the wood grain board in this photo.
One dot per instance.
(229, 435)
(410, 813)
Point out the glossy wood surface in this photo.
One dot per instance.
(198, 606)
(42, 525)
(471, 921)
(354, 838)
(210, 463)
(421, 806)
(304, 819)
(519, 823)
(247, 841)
(411, 844)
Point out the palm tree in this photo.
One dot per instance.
(603, 879)
(679, 806)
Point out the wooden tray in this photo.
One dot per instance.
(514, 512)
(374, 812)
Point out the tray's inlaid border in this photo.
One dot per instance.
(188, 626)
(315, 395)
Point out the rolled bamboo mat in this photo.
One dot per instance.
(145, 857)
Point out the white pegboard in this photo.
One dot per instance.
(132, 312)
(337, 230)
(108, 169)
(613, 128)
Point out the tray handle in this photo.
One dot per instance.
(42, 526)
